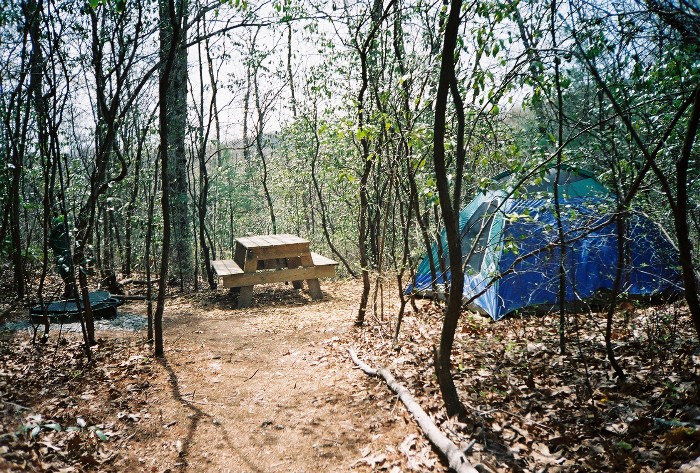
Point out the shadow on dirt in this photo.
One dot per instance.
(195, 419)
(268, 295)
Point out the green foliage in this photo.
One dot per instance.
(35, 424)
(624, 445)
(507, 91)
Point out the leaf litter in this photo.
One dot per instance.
(60, 412)
(530, 408)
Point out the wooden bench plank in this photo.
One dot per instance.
(226, 267)
(320, 260)
(325, 267)
(276, 275)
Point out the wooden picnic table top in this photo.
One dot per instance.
(270, 247)
(268, 241)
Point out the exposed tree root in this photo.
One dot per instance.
(455, 458)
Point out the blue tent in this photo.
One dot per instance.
(511, 254)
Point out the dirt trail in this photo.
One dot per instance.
(266, 389)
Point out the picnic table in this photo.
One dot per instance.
(265, 259)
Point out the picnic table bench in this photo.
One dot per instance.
(265, 259)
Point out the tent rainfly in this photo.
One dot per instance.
(511, 253)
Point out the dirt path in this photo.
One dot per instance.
(266, 389)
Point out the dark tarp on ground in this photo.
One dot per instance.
(101, 302)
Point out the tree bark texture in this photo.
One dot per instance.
(680, 215)
(176, 98)
(170, 40)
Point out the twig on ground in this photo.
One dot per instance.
(18, 407)
(251, 376)
(469, 447)
(512, 414)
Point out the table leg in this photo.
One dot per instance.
(314, 285)
(245, 297)
(295, 262)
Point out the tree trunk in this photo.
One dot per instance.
(680, 216)
(557, 204)
(365, 52)
(290, 75)
(147, 256)
(133, 196)
(36, 87)
(261, 151)
(16, 123)
(450, 215)
(617, 285)
(202, 204)
(171, 41)
(181, 256)
(313, 127)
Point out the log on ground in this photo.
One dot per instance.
(455, 457)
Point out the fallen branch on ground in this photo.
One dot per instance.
(455, 458)
(129, 298)
(17, 407)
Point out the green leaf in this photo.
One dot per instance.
(624, 445)
(53, 426)
(101, 435)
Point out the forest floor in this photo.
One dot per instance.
(272, 388)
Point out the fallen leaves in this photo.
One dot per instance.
(60, 412)
(530, 408)
(418, 453)
(371, 460)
